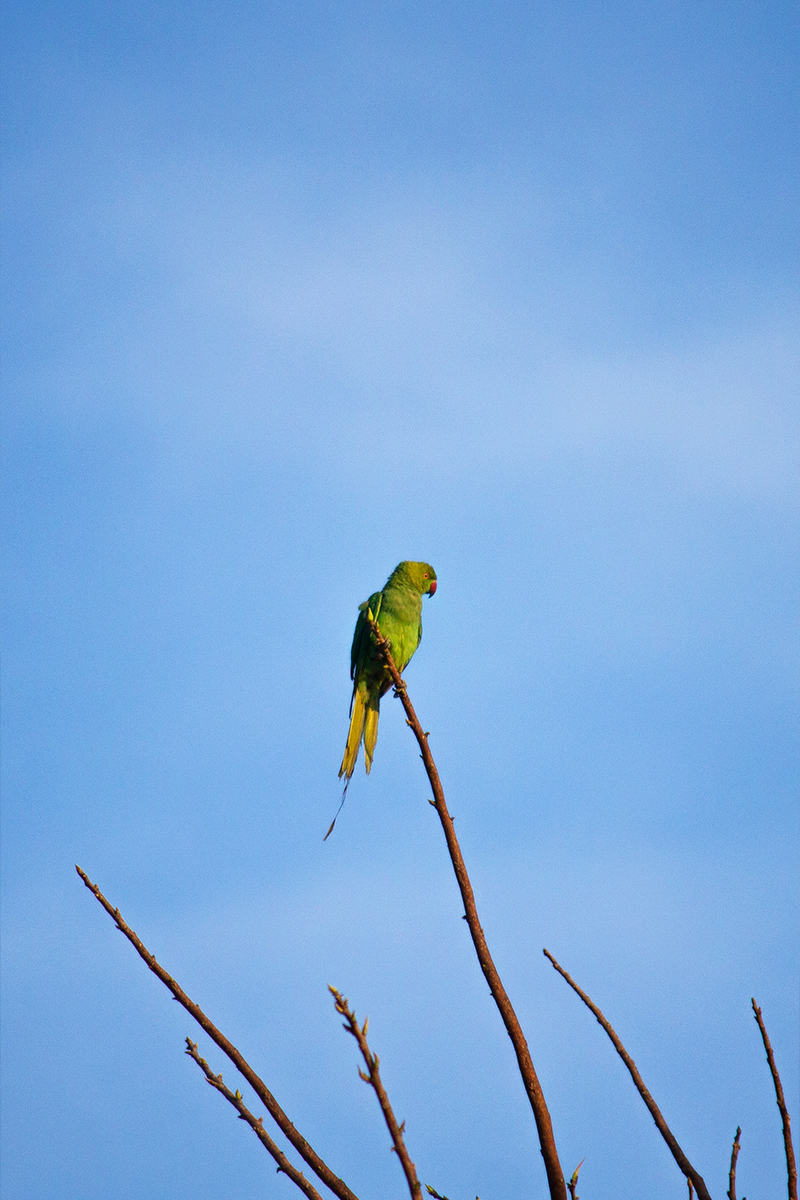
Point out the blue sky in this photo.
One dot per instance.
(293, 292)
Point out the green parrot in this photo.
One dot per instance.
(397, 610)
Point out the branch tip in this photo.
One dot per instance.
(307, 1152)
(573, 1183)
(692, 1175)
(732, 1172)
(372, 1076)
(791, 1165)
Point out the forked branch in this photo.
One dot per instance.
(791, 1165)
(307, 1152)
(373, 1077)
(255, 1123)
(694, 1176)
(544, 1125)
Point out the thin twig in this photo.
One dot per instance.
(573, 1182)
(791, 1165)
(437, 1196)
(735, 1148)
(318, 1166)
(544, 1125)
(373, 1077)
(255, 1123)
(689, 1171)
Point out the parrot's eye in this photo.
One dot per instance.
(425, 576)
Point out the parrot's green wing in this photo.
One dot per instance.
(361, 636)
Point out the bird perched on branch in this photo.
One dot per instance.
(397, 611)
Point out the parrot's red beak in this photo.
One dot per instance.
(432, 588)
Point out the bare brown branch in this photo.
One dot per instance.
(732, 1172)
(373, 1077)
(791, 1165)
(255, 1123)
(307, 1152)
(689, 1171)
(544, 1125)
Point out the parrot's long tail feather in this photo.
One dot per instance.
(357, 719)
(371, 733)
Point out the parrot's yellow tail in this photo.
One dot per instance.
(370, 734)
(363, 723)
(362, 715)
(357, 719)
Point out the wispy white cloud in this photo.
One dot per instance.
(296, 325)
